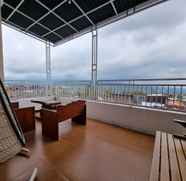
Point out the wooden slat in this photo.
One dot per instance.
(169, 158)
(181, 158)
(164, 171)
(184, 146)
(184, 150)
(154, 175)
(174, 167)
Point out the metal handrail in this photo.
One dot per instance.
(141, 92)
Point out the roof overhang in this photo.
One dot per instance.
(62, 20)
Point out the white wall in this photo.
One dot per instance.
(140, 119)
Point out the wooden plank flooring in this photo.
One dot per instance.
(96, 152)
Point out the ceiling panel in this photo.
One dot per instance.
(102, 14)
(81, 23)
(52, 38)
(68, 11)
(88, 5)
(12, 3)
(127, 4)
(65, 31)
(51, 21)
(32, 9)
(20, 20)
(51, 3)
(6, 11)
(38, 30)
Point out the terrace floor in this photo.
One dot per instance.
(96, 152)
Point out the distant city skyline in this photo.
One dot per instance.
(149, 44)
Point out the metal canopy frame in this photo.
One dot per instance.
(117, 16)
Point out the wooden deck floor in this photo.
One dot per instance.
(97, 152)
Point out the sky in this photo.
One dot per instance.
(150, 44)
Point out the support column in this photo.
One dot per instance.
(1, 47)
(94, 60)
(48, 70)
(48, 62)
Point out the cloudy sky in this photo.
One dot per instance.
(150, 44)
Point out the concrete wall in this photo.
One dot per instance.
(140, 119)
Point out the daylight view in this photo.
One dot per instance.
(93, 90)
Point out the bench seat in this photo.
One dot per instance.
(169, 158)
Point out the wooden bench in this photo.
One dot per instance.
(51, 118)
(169, 158)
